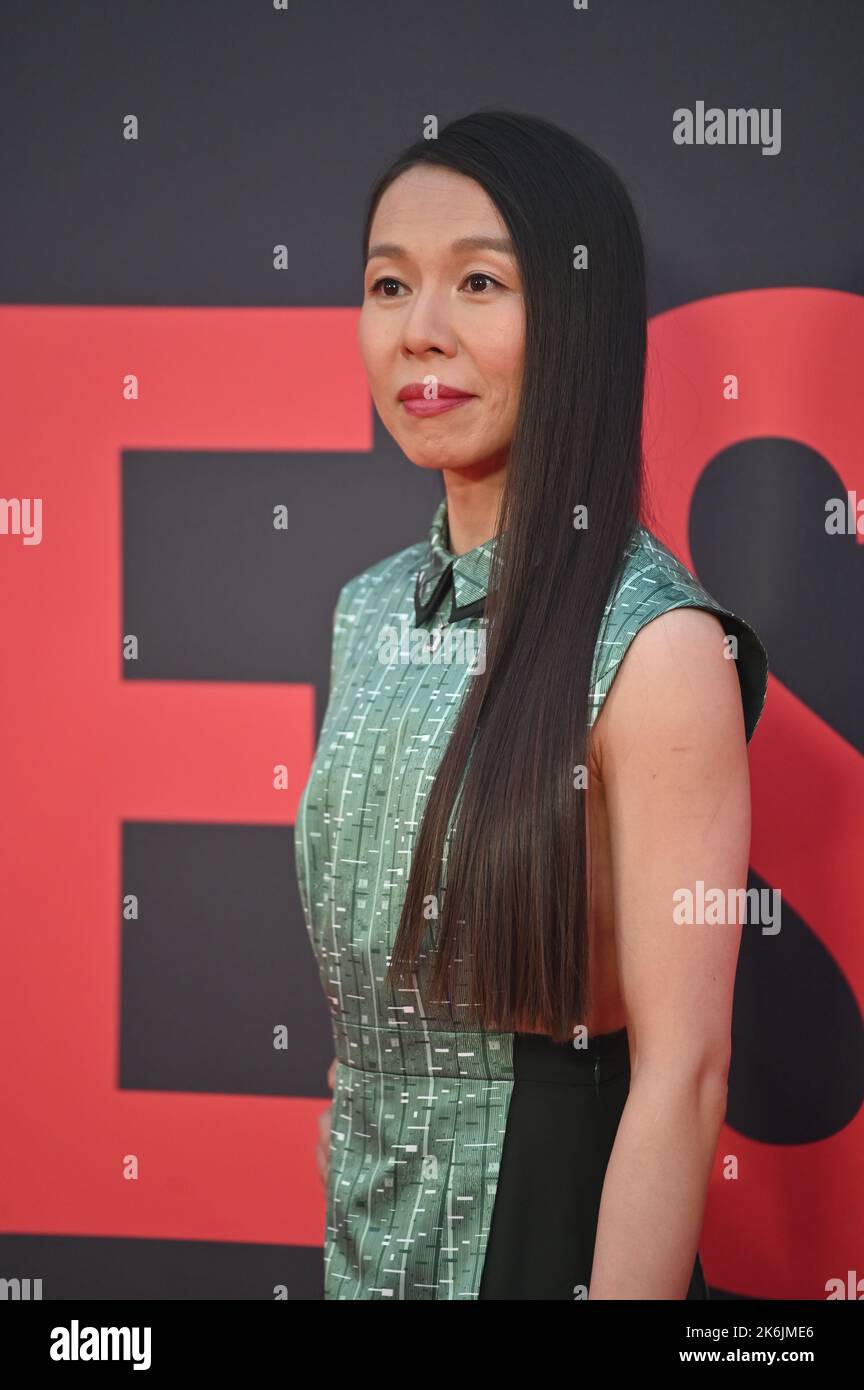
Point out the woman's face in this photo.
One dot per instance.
(434, 308)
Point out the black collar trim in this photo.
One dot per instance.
(422, 610)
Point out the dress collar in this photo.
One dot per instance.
(468, 573)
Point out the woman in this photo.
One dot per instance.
(531, 1049)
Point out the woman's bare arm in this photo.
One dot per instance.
(673, 760)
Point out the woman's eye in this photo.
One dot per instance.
(384, 280)
(481, 275)
(377, 285)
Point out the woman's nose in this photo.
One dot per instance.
(427, 325)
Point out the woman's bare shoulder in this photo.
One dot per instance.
(677, 679)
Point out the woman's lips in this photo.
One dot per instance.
(420, 406)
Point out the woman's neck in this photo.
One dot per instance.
(473, 499)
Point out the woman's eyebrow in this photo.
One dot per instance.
(466, 243)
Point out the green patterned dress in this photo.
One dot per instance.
(419, 1106)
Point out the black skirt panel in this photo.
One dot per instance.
(561, 1124)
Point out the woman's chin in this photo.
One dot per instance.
(438, 458)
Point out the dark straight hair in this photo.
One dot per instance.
(511, 947)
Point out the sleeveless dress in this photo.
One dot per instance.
(465, 1164)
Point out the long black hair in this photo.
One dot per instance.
(506, 807)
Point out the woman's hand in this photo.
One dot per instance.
(322, 1152)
